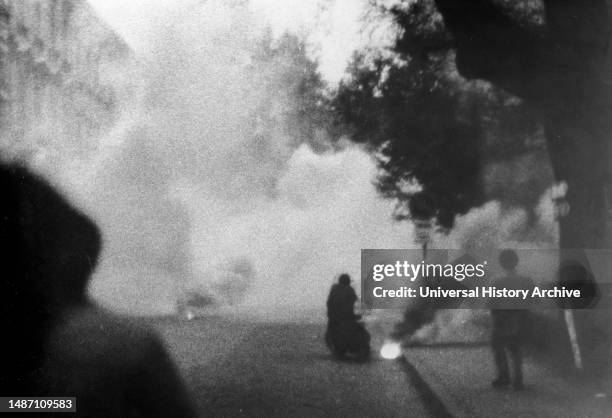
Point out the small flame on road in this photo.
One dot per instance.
(391, 350)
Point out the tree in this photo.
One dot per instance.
(295, 102)
(562, 69)
(431, 129)
(425, 147)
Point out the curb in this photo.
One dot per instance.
(431, 398)
(438, 398)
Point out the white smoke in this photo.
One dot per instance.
(492, 226)
(187, 196)
(483, 232)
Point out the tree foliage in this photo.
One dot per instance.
(561, 67)
(432, 130)
(296, 104)
(427, 150)
(414, 111)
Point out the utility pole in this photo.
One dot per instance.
(422, 234)
(562, 208)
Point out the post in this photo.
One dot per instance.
(562, 209)
(422, 229)
(571, 329)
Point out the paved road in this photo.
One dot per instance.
(461, 377)
(249, 368)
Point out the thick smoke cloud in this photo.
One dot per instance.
(191, 195)
(199, 188)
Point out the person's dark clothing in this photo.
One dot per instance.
(59, 343)
(501, 349)
(344, 332)
(508, 330)
(507, 338)
(340, 303)
(573, 275)
(113, 366)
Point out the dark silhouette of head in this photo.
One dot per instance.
(344, 279)
(576, 276)
(508, 259)
(49, 251)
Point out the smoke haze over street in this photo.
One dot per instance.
(184, 191)
(198, 185)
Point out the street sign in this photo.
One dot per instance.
(422, 231)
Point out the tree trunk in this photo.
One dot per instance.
(565, 73)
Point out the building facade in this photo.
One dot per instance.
(62, 74)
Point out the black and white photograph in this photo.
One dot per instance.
(306, 208)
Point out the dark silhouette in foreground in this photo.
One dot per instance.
(346, 335)
(56, 343)
(509, 325)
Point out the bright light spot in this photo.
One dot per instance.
(391, 350)
(190, 315)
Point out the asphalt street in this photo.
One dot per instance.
(236, 367)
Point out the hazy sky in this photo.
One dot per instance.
(333, 26)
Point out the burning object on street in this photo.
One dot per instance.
(391, 350)
(226, 284)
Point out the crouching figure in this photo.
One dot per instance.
(346, 335)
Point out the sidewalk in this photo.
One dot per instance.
(461, 375)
